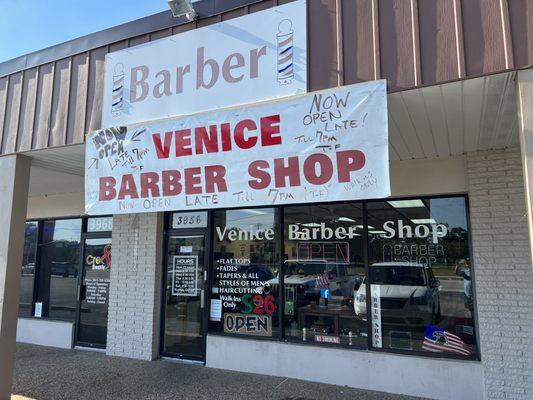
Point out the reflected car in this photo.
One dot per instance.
(409, 294)
(28, 269)
(304, 280)
(64, 269)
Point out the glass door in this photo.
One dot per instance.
(185, 297)
(93, 293)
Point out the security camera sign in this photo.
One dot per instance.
(325, 146)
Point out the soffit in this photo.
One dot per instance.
(454, 118)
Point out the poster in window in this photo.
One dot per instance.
(184, 275)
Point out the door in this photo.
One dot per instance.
(93, 293)
(183, 329)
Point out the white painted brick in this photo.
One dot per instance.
(503, 272)
(135, 289)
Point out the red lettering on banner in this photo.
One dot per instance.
(128, 188)
(270, 130)
(183, 142)
(225, 133)
(171, 182)
(326, 169)
(318, 169)
(107, 188)
(204, 140)
(162, 151)
(149, 187)
(292, 171)
(193, 180)
(214, 176)
(262, 178)
(240, 140)
(349, 161)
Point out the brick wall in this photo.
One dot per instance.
(503, 272)
(135, 290)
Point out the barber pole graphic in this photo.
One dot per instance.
(118, 90)
(285, 38)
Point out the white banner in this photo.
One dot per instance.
(325, 146)
(256, 57)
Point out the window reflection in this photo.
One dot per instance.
(246, 263)
(420, 276)
(60, 252)
(323, 270)
(28, 268)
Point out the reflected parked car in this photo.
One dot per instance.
(28, 269)
(409, 294)
(64, 269)
(304, 280)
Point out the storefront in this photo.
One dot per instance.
(226, 274)
(65, 277)
(311, 191)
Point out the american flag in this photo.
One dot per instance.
(322, 281)
(438, 340)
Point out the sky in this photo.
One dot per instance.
(30, 25)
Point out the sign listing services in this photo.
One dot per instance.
(261, 56)
(326, 146)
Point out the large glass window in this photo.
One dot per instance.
(420, 276)
(28, 268)
(392, 274)
(246, 263)
(323, 271)
(59, 264)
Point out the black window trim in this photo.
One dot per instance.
(36, 294)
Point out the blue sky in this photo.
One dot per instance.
(29, 25)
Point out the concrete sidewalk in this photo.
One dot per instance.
(44, 373)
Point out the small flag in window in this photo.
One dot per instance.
(322, 281)
(438, 340)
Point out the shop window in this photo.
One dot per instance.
(420, 277)
(323, 271)
(59, 267)
(245, 290)
(28, 269)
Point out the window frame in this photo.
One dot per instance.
(37, 257)
(41, 292)
(476, 356)
(280, 302)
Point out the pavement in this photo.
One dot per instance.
(44, 373)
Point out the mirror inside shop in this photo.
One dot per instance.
(417, 294)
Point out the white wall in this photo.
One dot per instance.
(503, 278)
(55, 205)
(410, 375)
(45, 332)
(429, 176)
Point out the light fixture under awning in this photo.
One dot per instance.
(406, 203)
(424, 221)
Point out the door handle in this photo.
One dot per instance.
(202, 297)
